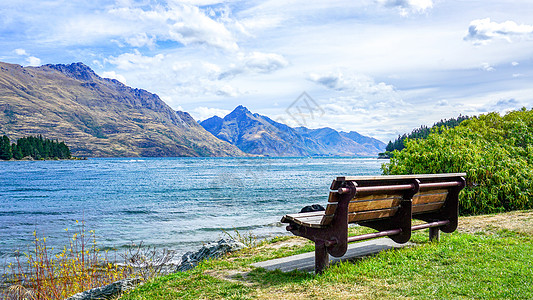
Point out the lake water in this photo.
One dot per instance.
(175, 203)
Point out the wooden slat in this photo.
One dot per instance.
(430, 192)
(401, 177)
(304, 214)
(370, 202)
(377, 196)
(333, 197)
(359, 206)
(371, 215)
(421, 208)
(331, 208)
(335, 185)
(430, 196)
(310, 219)
(326, 220)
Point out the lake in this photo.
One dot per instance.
(175, 203)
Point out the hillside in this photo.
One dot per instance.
(97, 117)
(257, 134)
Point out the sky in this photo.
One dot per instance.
(379, 67)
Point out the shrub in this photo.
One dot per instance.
(496, 153)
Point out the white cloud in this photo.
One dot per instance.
(359, 100)
(255, 23)
(21, 52)
(503, 105)
(227, 90)
(30, 60)
(180, 22)
(406, 7)
(514, 63)
(93, 28)
(264, 62)
(141, 40)
(483, 31)
(202, 112)
(357, 84)
(114, 75)
(443, 102)
(135, 60)
(487, 67)
(255, 62)
(174, 76)
(33, 61)
(354, 113)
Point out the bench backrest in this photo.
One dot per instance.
(379, 197)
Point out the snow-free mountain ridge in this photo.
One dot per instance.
(260, 135)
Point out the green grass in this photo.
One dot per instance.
(191, 285)
(461, 266)
(485, 265)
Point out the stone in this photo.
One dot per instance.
(110, 291)
(191, 259)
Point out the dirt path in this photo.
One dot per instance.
(519, 221)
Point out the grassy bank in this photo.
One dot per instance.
(488, 257)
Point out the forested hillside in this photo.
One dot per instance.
(420, 133)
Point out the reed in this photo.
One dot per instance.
(43, 273)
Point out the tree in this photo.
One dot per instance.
(5, 148)
(17, 153)
(35, 147)
(422, 132)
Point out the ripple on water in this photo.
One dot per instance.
(173, 202)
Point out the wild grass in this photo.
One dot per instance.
(248, 239)
(490, 264)
(44, 273)
(147, 262)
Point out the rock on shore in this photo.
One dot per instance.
(209, 251)
(110, 291)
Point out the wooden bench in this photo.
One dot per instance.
(384, 203)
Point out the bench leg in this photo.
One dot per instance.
(434, 233)
(321, 257)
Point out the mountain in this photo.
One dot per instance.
(257, 134)
(343, 143)
(98, 117)
(363, 140)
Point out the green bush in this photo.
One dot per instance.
(496, 153)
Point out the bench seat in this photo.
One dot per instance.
(384, 203)
(308, 219)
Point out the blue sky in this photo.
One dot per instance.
(379, 67)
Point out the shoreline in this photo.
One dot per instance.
(514, 221)
(447, 265)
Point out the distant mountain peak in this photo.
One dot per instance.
(217, 118)
(257, 134)
(239, 112)
(77, 70)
